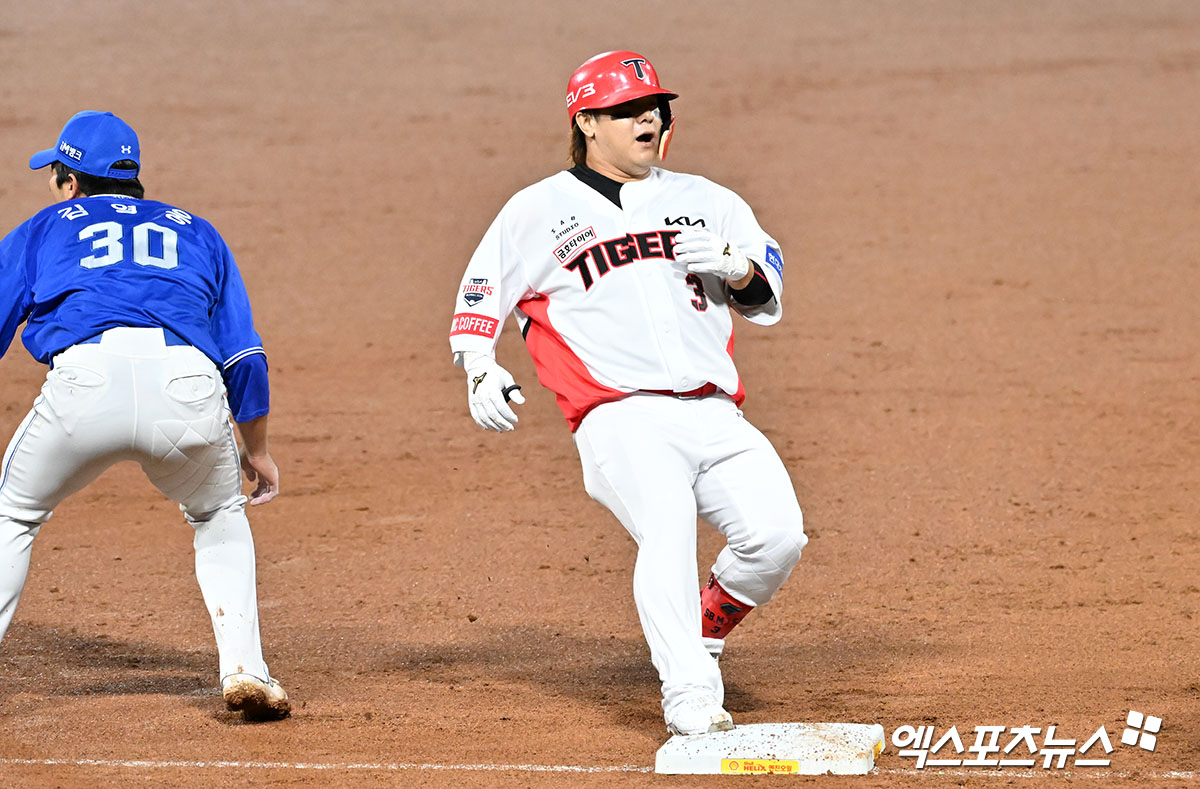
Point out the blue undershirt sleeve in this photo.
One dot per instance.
(248, 388)
(14, 294)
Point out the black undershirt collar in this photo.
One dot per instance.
(601, 183)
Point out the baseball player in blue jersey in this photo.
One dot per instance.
(140, 311)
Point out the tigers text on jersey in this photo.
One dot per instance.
(605, 308)
(82, 266)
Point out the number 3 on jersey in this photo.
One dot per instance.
(108, 237)
(701, 300)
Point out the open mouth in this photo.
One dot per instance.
(646, 137)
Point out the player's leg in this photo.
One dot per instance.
(189, 452)
(69, 437)
(18, 527)
(631, 466)
(745, 492)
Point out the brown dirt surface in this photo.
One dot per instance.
(984, 387)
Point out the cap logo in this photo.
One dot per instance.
(126, 149)
(637, 67)
(71, 151)
(582, 92)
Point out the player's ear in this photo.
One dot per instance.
(586, 122)
(72, 187)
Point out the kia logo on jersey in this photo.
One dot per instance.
(685, 220)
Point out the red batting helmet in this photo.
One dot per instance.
(612, 78)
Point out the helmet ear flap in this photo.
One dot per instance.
(668, 127)
(664, 141)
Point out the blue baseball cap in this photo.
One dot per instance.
(91, 143)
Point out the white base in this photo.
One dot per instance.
(774, 748)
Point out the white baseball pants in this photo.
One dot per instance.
(132, 397)
(657, 462)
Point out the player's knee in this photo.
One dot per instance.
(198, 516)
(785, 546)
(22, 518)
(795, 531)
(782, 540)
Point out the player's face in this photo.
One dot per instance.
(624, 143)
(67, 191)
(55, 189)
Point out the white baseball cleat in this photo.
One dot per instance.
(257, 700)
(700, 714)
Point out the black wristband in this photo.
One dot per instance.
(757, 292)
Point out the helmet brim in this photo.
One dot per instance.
(622, 98)
(42, 159)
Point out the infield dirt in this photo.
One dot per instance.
(984, 386)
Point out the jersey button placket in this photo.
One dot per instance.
(658, 281)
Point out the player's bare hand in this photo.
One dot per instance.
(704, 252)
(262, 470)
(489, 389)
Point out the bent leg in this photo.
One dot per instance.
(748, 496)
(45, 462)
(190, 454)
(16, 543)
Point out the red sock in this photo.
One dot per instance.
(719, 612)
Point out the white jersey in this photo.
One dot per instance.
(604, 307)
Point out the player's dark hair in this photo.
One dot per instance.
(578, 147)
(94, 185)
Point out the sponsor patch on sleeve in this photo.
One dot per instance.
(473, 323)
(476, 290)
(775, 259)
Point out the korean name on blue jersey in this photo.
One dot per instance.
(76, 269)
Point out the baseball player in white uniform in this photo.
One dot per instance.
(140, 311)
(622, 277)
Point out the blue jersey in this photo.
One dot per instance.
(80, 267)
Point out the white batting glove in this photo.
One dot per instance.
(489, 388)
(704, 252)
